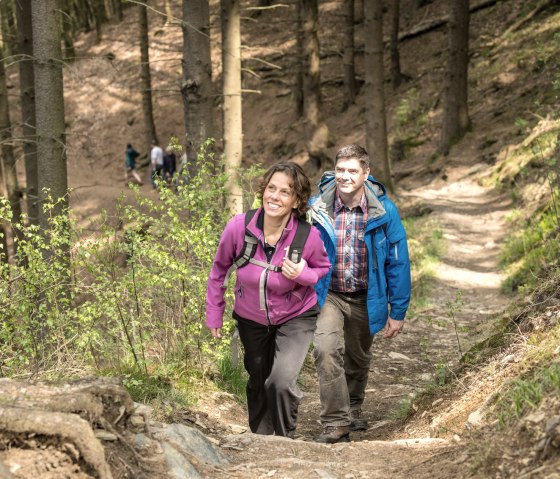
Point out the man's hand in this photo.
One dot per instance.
(216, 332)
(393, 327)
(292, 270)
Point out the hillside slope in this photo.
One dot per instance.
(512, 74)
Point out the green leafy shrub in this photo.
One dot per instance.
(128, 299)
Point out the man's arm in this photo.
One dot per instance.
(397, 265)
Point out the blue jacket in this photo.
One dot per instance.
(389, 280)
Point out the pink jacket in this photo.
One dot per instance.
(284, 298)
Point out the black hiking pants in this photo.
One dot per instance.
(274, 356)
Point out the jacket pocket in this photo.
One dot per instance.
(294, 295)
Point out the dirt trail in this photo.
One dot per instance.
(472, 220)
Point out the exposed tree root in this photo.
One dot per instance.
(68, 427)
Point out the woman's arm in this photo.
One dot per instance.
(225, 255)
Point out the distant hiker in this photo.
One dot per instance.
(130, 156)
(156, 162)
(366, 243)
(275, 303)
(169, 165)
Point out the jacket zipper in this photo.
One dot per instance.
(266, 299)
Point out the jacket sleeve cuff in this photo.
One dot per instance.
(307, 277)
(214, 317)
(397, 315)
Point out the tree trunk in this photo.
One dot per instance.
(196, 87)
(232, 112)
(118, 9)
(298, 89)
(67, 29)
(348, 58)
(27, 93)
(83, 15)
(376, 126)
(455, 109)
(49, 103)
(146, 80)
(316, 130)
(9, 173)
(99, 17)
(396, 75)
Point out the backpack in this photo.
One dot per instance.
(250, 247)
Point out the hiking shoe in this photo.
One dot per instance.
(357, 422)
(334, 434)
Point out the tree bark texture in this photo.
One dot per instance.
(27, 99)
(196, 87)
(396, 75)
(232, 110)
(298, 89)
(348, 55)
(316, 130)
(49, 103)
(376, 126)
(9, 173)
(455, 108)
(146, 80)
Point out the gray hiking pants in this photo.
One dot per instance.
(342, 353)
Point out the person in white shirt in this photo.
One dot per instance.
(156, 160)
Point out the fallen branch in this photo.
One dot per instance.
(435, 24)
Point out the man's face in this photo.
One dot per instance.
(350, 176)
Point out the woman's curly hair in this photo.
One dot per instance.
(301, 185)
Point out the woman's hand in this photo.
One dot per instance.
(216, 332)
(292, 270)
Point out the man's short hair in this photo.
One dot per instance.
(354, 152)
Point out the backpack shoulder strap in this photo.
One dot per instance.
(247, 251)
(302, 233)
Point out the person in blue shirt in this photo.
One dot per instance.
(130, 156)
(367, 291)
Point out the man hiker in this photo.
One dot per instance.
(367, 291)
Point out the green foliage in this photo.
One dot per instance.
(128, 299)
(526, 393)
(232, 378)
(402, 411)
(410, 117)
(532, 248)
(426, 246)
(37, 292)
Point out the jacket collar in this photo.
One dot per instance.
(324, 203)
(255, 226)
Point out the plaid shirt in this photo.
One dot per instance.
(350, 268)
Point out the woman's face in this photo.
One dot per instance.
(278, 196)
